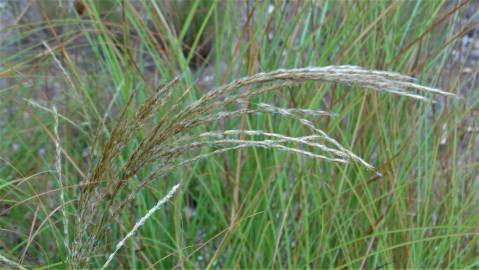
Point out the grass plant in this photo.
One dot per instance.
(224, 134)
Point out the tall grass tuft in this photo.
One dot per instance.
(294, 142)
(167, 141)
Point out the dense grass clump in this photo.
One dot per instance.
(211, 134)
